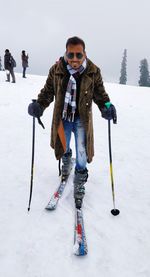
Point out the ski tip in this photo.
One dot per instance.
(48, 208)
(79, 250)
(80, 254)
(115, 212)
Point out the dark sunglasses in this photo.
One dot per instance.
(71, 55)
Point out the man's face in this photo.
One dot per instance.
(75, 55)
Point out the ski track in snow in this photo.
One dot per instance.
(39, 243)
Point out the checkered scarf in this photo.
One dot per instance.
(70, 96)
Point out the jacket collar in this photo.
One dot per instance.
(61, 68)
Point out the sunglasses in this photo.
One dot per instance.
(71, 55)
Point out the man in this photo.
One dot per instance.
(9, 64)
(74, 82)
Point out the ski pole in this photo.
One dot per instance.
(114, 211)
(32, 162)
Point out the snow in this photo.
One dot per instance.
(40, 243)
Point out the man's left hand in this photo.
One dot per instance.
(109, 112)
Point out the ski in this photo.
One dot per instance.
(52, 204)
(80, 242)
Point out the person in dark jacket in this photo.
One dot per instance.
(74, 82)
(9, 64)
(24, 59)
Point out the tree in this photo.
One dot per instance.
(123, 71)
(144, 74)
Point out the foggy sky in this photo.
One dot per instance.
(107, 27)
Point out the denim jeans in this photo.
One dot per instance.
(80, 140)
(24, 72)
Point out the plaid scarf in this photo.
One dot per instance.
(70, 96)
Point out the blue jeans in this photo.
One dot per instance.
(80, 141)
(24, 72)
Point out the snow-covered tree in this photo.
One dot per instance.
(144, 74)
(123, 71)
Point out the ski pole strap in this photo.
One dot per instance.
(40, 122)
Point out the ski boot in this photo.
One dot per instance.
(80, 178)
(67, 164)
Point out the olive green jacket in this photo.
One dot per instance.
(91, 89)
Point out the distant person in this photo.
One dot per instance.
(9, 64)
(73, 83)
(24, 58)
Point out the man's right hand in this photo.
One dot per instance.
(34, 109)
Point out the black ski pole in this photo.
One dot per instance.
(114, 211)
(32, 162)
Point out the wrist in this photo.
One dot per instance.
(107, 105)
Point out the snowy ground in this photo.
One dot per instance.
(39, 244)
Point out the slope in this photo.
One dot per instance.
(39, 244)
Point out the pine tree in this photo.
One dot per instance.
(144, 74)
(123, 71)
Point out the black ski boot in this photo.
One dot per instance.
(80, 178)
(67, 163)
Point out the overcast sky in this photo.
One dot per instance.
(107, 27)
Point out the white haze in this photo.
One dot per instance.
(108, 27)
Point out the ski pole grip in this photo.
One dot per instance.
(33, 100)
(38, 118)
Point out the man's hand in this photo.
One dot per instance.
(34, 109)
(109, 112)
